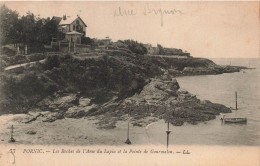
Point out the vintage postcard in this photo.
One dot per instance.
(129, 83)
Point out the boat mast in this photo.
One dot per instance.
(168, 133)
(128, 140)
(236, 100)
(12, 134)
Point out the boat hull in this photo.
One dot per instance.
(235, 120)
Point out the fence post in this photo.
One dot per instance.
(74, 46)
(69, 46)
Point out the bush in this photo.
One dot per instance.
(161, 49)
(135, 47)
(7, 51)
(36, 47)
(3, 64)
(19, 94)
(52, 61)
(87, 40)
(18, 59)
(36, 57)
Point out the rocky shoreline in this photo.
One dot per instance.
(161, 98)
(143, 91)
(135, 86)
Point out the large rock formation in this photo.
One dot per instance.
(163, 99)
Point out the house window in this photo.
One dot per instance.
(74, 27)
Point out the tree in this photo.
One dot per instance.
(161, 49)
(50, 30)
(8, 20)
(28, 29)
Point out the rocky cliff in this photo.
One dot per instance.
(110, 87)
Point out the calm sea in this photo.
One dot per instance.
(220, 89)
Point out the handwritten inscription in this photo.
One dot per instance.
(124, 12)
(147, 10)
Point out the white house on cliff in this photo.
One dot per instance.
(72, 27)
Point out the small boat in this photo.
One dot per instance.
(233, 120)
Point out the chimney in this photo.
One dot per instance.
(64, 17)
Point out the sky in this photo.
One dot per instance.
(205, 29)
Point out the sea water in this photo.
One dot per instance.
(219, 89)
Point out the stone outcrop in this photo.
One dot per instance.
(78, 112)
(162, 98)
(84, 102)
(66, 106)
(58, 103)
(51, 117)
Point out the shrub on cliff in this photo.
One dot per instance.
(7, 51)
(135, 47)
(19, 94)
(52, 61)
(161, 49)
(36, 57)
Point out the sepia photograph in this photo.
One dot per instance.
(172, 75)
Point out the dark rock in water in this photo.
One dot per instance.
(31, 132)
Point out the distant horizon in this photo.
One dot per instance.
(205, 29)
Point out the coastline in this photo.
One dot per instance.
(145, 107)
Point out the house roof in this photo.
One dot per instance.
(73, 33)
(69, 20)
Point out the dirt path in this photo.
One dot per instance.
(21, 65)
